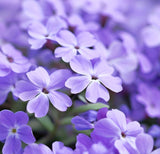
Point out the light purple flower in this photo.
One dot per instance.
(148, 96)
(144, 145)
(116, 131)
(93, 76)
(12, 60)
(37, 149)
(86, 145)
(72, 45)
(43, 87)
(14, 129)
(59, 148)
(40, 33)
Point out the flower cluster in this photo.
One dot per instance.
(68, 63)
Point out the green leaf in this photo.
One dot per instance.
(87, 107)
(47, 123)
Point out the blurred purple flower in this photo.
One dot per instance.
(148, 96)
(12, 60)
(40, 33)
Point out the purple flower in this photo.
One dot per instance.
(144, 145)
(12, 60)
(148, 96)
(121, 55)
(37, 149)
(40, 33)
(95, 77)
(115, 130)
(13, 130)
(88, 146)
(72, 45)
(7, 84)
(85, 120)
(41, 88)
(59, 148)
(151, 35)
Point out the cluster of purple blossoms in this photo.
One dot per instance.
(68, 63)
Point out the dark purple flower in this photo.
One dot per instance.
(14, 129)
(85, 120)
(43, 87)
(93, 77)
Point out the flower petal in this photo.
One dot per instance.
(77, 83)
(26, 90)
(7, 118)
(118, 118)
(66, 53)
(144, 143)
(81, 65)
(25, 134)
(21, 118)
(3, 132)
(59, 100)
(111, 82)
(12, 145)
(39, 105)
(39, 77)
(95, 90)
(66, 38)
(86, 39)
(58, 78)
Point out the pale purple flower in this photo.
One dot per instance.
(14, 129)
(37, 149)
(72, 45)
(59, 148)
(116, 131)
(144, 145)
(43, 87)
(12, 60)
(151, 36)
(86, 145)
(40, 33)
(121, 55)
(148, 96)
(93, 77)
(151, 33)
